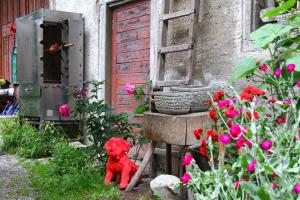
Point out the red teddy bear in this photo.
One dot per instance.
(118, 164)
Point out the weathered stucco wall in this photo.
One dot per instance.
(219, 40)
(89, 9)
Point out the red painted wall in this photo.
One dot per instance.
(10, 10)
(130, 51)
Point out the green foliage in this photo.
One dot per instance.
(245, 67)
(284, 7)
(100, 121)
(266, 34)
(27, 141)
(69, 175)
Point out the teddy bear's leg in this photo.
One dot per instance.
(109, 176)
(125, 176)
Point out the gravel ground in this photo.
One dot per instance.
(13, 182)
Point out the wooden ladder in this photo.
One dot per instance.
(165, 16)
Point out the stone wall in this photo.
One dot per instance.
(219, 40)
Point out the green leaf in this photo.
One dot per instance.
(263, 195)
(245, 67)
(249, 188)
(249, 133)
(280, 9)
(268, 169)
(266, 34)
(244, 162)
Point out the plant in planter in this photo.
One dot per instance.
(258, 127)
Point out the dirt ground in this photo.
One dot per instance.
(13, 182)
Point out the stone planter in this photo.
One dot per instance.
(173, 103)
(199, 94)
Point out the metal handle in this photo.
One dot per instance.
(28, 89)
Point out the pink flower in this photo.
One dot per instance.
(266, 144)
(278, 72)
(251, 166)
(185, 178)
(290, 68)
(223, 103)
(298, 83)
(297, 188)
(274, 185)
(65, 110)
(235, 130)
(225, 139)
(187, 160)
(237, 184)
(263, 68)
(287, 101)
(130, 89)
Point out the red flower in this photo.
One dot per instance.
(213, 115)
(281, 120)
(249, 93)
(263, 68)
(209, 103)
(214, 136)
(255, 114)
(198, 133)
(271, 101)
(218, 95)
(203, 151)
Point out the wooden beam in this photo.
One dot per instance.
(142, 167)
(177, 48)
(177, 14)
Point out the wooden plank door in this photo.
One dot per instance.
(130, 51)
(10, 10)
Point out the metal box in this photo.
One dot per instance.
(49, 62)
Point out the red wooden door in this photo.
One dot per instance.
(130, 51)
(10, 10)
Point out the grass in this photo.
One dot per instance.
(15, 181)
(69, 175)
(27, 141)
(2, 182)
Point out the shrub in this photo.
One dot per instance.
(99, 119)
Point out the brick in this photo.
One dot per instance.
(133, 56)
(127, 100)
(134, 45)
(135, 34)
(137, 78)
(137, 11)
(134, 23)
(133, 67)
